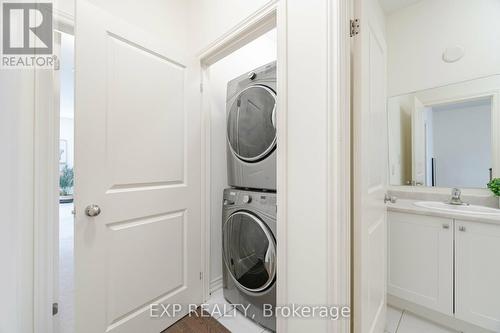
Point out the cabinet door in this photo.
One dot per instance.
(477, 273)
(420, 260)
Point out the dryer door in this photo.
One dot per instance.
(249, 251)
(251, 129)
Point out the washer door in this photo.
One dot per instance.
(251, 129)
(249, 251)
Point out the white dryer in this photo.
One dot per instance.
(251, 129)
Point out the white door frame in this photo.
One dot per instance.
(253, 27)
(260, 22)
(340, 149)
(46, 189)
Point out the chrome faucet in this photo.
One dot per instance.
(455, 197)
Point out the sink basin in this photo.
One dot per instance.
(460, 209)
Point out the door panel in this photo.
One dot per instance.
(420, 253)
(143, 101)
(137, 144)
(477, 272)
(376, 261)
(370, 169)
(156, 238)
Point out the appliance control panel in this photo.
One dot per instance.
(263, 200)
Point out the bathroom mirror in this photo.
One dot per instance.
(445, 136)
(443, 67)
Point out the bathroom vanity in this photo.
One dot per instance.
(445, 264)
(443, 140)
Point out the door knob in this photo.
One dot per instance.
(92, 210)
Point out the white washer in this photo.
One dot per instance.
(251, 129)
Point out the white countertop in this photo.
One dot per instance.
(408, 206)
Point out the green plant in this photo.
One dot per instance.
(494, 186)
(66, 180)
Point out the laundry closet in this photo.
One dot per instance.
(241, 94)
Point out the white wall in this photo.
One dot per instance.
(309, 150)
(257, 53)
(168, 19)
(417, 36)
(211, 19)
(66, 7)
(16, 200)
(462, 144)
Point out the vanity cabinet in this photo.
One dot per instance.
(477, 273)
(420, 260)
(448, 265)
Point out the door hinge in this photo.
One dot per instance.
(354, 27)
(201, 275)
(201, 87)
(57, 63)
(55, 308)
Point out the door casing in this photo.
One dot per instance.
(46, 191)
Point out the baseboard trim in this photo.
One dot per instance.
(434, 316)
(215, 284)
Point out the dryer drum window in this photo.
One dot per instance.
(249, 251)
(251, 124)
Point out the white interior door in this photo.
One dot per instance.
(138, 158)
(418, 142)
(370, 169)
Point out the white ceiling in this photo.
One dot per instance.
(390, 6)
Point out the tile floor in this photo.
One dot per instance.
(233, 320)
(399, 321)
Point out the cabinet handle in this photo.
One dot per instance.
(461, 228)
(446, 226)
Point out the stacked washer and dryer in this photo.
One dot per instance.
(249, 207)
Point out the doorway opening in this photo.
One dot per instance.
(458, 144)
(65, 278)
(239, 100)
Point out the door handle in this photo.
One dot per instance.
(92, 210)
(461, 228)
